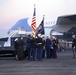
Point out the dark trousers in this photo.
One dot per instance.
(48, 52)
(20, 52)
(43, 54)
(74, 52)
(39, 54)
(29, 53)
(54, 53)
(34, 53)
(51, 53)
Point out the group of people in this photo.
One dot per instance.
(37, 47)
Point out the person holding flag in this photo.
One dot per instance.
(33, 26)
(40, 30)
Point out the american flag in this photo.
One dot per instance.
(33, 24)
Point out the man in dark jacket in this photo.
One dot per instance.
(74, 45)
(28, 46)
(16, 48)
(55, 47)
(21, 44)
(34, 48)
(39, 42)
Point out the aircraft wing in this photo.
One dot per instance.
(62, 28)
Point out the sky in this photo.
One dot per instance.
(13, 10)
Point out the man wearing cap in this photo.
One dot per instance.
(39, 47)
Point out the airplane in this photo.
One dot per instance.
(65, 25)
(21, 28)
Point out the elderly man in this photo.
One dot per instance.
(48, 44)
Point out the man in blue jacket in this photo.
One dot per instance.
(48, 44)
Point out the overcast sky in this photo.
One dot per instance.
(13, 10)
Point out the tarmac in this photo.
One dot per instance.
(65, 64)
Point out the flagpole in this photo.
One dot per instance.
(43, 16)
(43, 20)
(34, 5)
(35, 15)
(33, 24)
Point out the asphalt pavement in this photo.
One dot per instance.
(65, 64)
